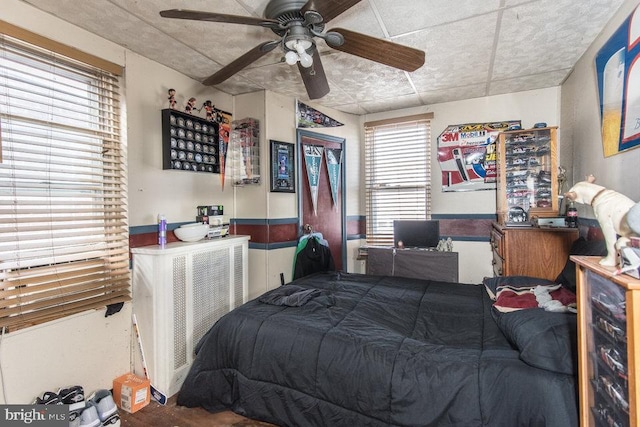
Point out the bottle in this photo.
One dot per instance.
(572, 215)
(162, 230)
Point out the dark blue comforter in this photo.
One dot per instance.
(374, 351)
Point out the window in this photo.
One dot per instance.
(64, 244)
(397, 174)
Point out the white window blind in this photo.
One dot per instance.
(64, 244)
(397, 174)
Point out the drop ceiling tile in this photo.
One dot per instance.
(453, 94)
(350, 109)
(256, 7)
(534, 81)
(359, 18)
(280, 78)
(355, 76)
(511, 3)
(404, 16)
(337, 97)
(220, 42)
(237, 84)
(531, 42)
(456, 54)
(393, 103)
(128, 30)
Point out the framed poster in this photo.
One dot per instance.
(618, 72)
(283, 172)
(467, 155)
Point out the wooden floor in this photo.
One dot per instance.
(172, 415)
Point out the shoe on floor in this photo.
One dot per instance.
(89, 417)
(102, 400)
(74, 397)
(48, 398)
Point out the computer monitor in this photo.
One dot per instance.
(416, 233)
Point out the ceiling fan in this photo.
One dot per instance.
(298, 23)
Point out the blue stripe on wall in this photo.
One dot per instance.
(464, 216)
(141, 229)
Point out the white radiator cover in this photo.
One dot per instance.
(179, 292)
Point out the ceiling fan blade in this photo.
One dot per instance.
(329, 9)
(314, 78)
(219, 17)
(379, 50)
(241, 62)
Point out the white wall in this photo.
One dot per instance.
(530, 107)
(176, 194)
(581, 124)
(277, 120)
(88, 349)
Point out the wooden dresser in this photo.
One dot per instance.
(530, 251)
(608, 344)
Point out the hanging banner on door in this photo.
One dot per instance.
(309, 117)
(467, 155)
(313, 160)
(333, 157)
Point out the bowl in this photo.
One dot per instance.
(191, 232)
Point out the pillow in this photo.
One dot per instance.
(545, 340)
(581, 246)
(491, 284)
(549, 297)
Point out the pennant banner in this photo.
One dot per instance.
(224, 129)
(333, 157)
(313, 160)
(309, 117)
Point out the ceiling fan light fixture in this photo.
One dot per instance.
(291, 57)
(306, 60)
(296, 50)
(296, 43)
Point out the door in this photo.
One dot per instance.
(327, 214)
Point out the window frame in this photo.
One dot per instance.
(81, 271)
(408, 198)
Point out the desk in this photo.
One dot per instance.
(413, 263)
(531, 251)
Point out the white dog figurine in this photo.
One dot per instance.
(610, 209)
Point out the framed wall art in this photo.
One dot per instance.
(618, 73)
(283, 177)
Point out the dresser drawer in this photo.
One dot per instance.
(497, 262)
(497, 242)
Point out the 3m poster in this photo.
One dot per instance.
(618, 73)
(467, 155)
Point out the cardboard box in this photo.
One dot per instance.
(131, 392)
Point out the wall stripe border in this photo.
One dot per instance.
(279, 233)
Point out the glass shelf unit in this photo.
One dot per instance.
(527, 181)
(607, 341)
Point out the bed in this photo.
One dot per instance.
(337, 349)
